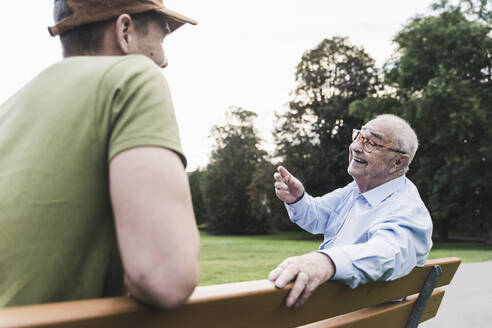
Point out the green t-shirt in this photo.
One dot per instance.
(57, 137)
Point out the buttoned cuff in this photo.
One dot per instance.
(343, 264)
(294, 208)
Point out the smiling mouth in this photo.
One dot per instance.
(358, 160)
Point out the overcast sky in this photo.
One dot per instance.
(242, 53)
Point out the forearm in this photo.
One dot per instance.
(383, 257)
(312, 213)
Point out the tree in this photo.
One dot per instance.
(441, 77)
(314, 132)
(475, 10)
(234, 159)
(263, 200)
(196, 180)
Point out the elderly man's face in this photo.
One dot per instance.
(371, 169)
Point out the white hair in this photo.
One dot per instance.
(404, 136)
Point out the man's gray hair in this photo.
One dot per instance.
(404, 136)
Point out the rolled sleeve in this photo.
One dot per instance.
(294, 209)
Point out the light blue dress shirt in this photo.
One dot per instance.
(381, 234)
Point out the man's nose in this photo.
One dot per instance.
(356, 146)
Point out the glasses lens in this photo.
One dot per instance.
(367, 146)
(355, 134)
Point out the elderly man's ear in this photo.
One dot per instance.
(400, 163)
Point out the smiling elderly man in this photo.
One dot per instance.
(375, 228)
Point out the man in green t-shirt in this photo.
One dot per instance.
(92, 184)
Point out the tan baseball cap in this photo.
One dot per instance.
(90, 11)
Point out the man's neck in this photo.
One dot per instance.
(365, 186)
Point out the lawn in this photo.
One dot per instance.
(467, 252)
(240, 258)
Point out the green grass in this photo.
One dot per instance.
(227, 259)
(240, 258)
(467, 252)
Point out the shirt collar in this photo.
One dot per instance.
(376, 195)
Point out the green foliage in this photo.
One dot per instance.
(264, 203)
(441, 82)
(314, 132)
(431, 46)
(196, 180)
(475, 10)
(235, 158)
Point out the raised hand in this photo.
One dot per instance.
(308, 271)
(287, 187)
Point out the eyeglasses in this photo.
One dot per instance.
(368, 145)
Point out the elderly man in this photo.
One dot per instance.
(375, 228)
(93, 187)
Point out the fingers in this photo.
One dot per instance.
(275, 273)
(298, 288)
(286, 272)
(282, 188)
(286, 177)
(278, 176)
(309, 271)
(283, 172)
(307, 292)
(279, 185)
(284, 196)
(282, 175)
(303, 286)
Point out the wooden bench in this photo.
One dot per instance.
(259, 304)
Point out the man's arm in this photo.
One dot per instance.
(155, 224)
(391, 252)
(394, 248)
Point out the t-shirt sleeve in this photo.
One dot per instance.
(140, 109)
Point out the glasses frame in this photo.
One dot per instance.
(357, 136)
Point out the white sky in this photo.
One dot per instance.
(242, 53)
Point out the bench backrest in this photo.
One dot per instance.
(248, 304)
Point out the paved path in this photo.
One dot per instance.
(467, 302)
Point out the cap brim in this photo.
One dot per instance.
(175, 20)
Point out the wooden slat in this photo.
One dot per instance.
(396, 313)
(245, 304)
